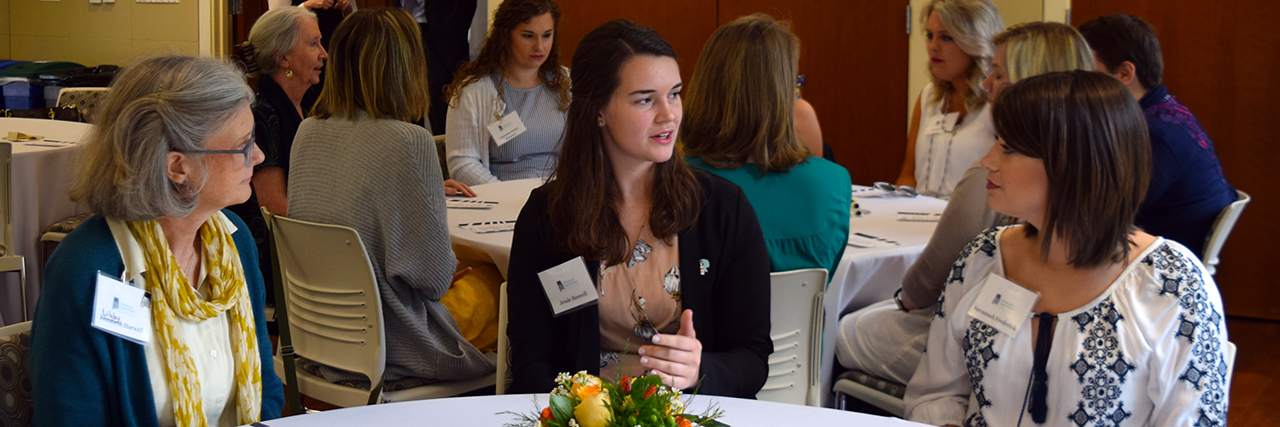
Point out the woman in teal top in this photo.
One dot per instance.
(740, 125)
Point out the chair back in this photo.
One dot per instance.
(331, 297)
(16, 402)
(504, 346)
(444, 164)
(796, 317)
(82, 98)
(1221, 229)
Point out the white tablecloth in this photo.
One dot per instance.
(41, 177)
(490, 247)
(869, 275)
(484, 411)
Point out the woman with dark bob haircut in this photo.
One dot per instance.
(1076, 315)
(171, 148)
(675, 254)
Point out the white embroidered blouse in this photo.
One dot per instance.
(1150, 350)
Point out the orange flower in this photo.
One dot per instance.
(682, 422)
(648, 392)
(625, 384)
(546, 414)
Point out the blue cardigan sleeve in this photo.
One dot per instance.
(85, 377)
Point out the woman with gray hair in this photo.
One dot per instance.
(152, 310)
(944, 138)
(285, 53)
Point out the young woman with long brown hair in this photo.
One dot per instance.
(675, 254)
(516, 75)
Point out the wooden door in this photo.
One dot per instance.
(686, 24)
(854, 58)
(1222, 60)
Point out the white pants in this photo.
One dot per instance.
(884, 341)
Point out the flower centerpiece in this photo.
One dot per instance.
(584, 400)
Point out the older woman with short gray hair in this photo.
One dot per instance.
(284, 51)
(152, 310)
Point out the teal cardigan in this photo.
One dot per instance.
(804, 212)
(82, 376)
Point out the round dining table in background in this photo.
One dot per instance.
(488, 411)
(41, 173)
(494, 247)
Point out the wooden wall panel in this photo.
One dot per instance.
(1221, 60)
(686, 24)
(854, 57)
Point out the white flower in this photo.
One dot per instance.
(573, 423)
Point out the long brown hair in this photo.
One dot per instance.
(377, 65)
(1092, 137)
(496, 51)
(583, 195)
(741, 102)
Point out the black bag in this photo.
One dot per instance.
(99, 76)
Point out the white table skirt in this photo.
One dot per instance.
(869, 275)
(42, 174)
(484, 411)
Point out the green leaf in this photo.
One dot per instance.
(703, 421)
(562, 407)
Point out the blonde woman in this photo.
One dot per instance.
(740, 126)
(950, 125)
(171, 148)
(887, 338)
(364, 132)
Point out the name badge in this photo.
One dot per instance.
(568, 286)
(943, 123)
(121, 310)
(1003, 305)
(506, 129)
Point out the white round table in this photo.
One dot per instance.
(41, 176)
(485, 411)
(490, 247)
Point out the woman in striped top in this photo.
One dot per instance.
(517, 78)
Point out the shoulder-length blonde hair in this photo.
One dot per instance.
(496, 51)
(972, 24)
(156, 105)
(376, 65)
(741, 102)
(1035, 48)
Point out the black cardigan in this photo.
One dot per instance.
(730, 302)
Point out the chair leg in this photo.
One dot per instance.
(22, 283)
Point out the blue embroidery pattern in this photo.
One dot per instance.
(1200, 325)
(985, 243)
(1101, 367)
(979, 351)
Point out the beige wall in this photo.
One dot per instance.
(1013, 12)
(92, 34)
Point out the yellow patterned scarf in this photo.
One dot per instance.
(172, 296)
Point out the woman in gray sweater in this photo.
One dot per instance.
(361, 162)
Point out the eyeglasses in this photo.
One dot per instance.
(247, 151)
(906, 190)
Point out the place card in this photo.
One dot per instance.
(460, 203)
(487, 227)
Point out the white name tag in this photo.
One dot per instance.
(508, 128)
(122, 310)
(1003, 304)
(568, 286)
(943, 123)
